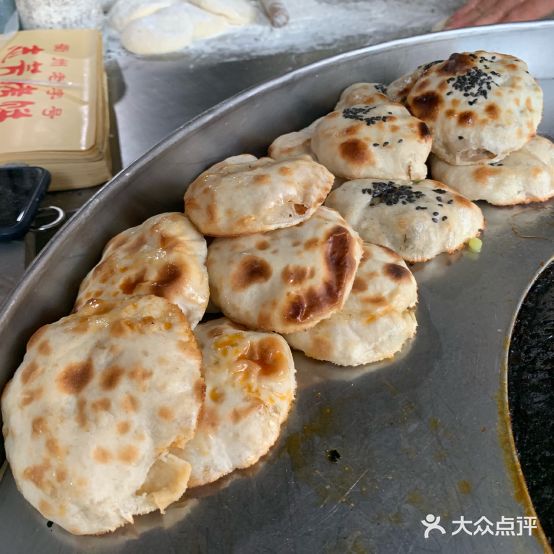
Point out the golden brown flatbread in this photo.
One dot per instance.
(91, 414)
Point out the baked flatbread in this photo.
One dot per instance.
(164, 256)
(480, 106)
(526, 175)
(381, 141)
(250, 386)
(289, 279)
(244, 194)
(297, 143)
(416, 220)
(91, 413)
(369, 94)
(376, 319)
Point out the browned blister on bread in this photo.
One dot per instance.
(376, 320)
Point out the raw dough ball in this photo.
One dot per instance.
(171, 29)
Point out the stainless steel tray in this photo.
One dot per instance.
(425, 433)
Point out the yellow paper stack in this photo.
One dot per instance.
(53, 105)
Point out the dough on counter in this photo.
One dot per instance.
(238, 12)
(416, 220)
(480, 106)
(91, 414)
(375, 321)
(289, 279)
(125, 11)
(164, 256)
(526, 175)
(171, 29)
(250, 386)
(382, 141)
(244, 194)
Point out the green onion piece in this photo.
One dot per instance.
(475, 244)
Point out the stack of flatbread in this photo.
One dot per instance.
(119, 407)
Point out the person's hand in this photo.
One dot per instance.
(486, 12)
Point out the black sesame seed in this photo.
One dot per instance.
(450, 201)
(385, 143)
(390, 194)
(381, 88)
(439, 191)
(441, 205)
(435, 213)
(439, 199)
(475, 83)
(435, 220)
(400, 140)
(449, 93)
(359, 113)
(444, 217)
(375, 144)
(49, 524)
(460, 138)
(421, 207)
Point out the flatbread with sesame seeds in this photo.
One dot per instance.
(91, 414)
(376, 320)
(250, 386)
(416, 220)
(381, 141)
(369, 94)
(244, 194)
(164, 256)
(288, 279)
(480, 106)
(526, 175)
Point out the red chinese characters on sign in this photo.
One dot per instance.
(56, 77)
(52, 112)
(15, 109)
(15, 51)
(20, 68)
(15, 89)
(61, 47)
(54, 93)
(59, 62)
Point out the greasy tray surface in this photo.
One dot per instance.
(424, 434)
